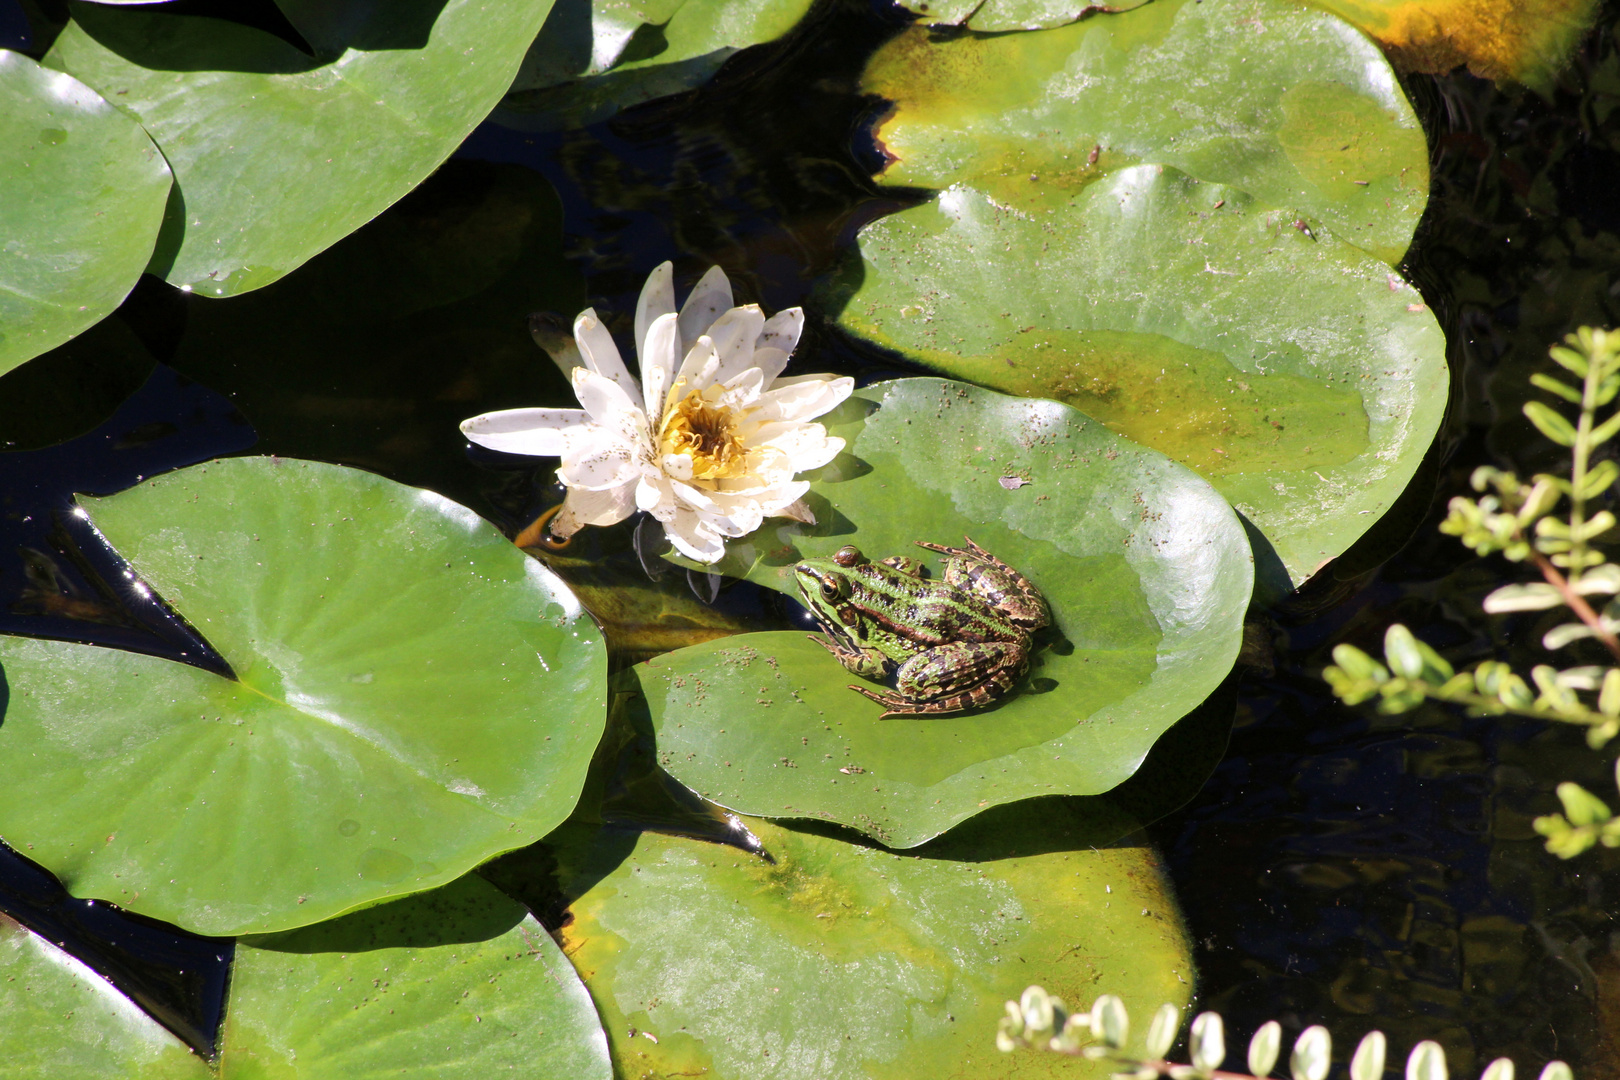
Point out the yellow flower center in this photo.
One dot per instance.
(706, 433)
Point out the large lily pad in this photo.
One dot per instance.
(460, 980)
(1299, 374)
(839, 961)
(278, 154)
(413, 695)
(595, 57)
(1145, 567)
(1262, 95)
(82, 191)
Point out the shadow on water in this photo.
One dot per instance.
(178, 978)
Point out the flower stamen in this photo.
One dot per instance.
(706, 432)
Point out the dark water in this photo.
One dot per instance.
(1338, 868)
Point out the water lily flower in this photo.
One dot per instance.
(708, 442)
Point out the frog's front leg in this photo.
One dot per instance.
(868, 663)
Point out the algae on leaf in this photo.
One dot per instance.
(835, 961)
(1300, 375)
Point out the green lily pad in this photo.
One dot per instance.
(460, 980)
(838, 961)
(278, 154)
(413, 696)
(594, 58)
(62, 1019)
(1146, 570)
(1265, 96)
(82, 191)
(1299, 374)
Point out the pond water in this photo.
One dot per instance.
(1338, 867)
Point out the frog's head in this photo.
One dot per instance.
(825, 583)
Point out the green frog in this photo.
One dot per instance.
(950, 645)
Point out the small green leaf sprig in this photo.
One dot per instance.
(1040, 1021)
(1517, 519)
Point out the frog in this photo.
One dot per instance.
(951, 644)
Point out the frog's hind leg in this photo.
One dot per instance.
(977, 696)
(975, 570)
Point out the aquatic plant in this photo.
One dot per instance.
(1517, 519)
(1040, 1021)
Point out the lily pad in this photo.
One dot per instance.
(82, 190)
(1145, 568)
(1265, 96)
(62, 1019)
(595, 57)
(1299, 374)
(278, 154)
(356, 757)
(838, 961)
(461, 980)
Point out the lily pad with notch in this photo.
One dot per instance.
(1299, 374)
(412, 696)
(1145, 567)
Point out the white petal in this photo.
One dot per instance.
(733, 335)
(693, 538)
(603, 398)
(771, 362)
(677, 466)
(601, 355)
(659, 351)
(582, 507)
(710, 297)
(803, 397)
(656, 495)
(697, 370)
(692, 498)
(782, 330)
(657, 299)
(537, 432)
(798, 511)
(735, 515)
(606, 465)
(743, 389)
(808, 446)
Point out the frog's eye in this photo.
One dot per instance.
(834, 589)
(848, 555)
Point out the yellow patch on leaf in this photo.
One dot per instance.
(1523, 40)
